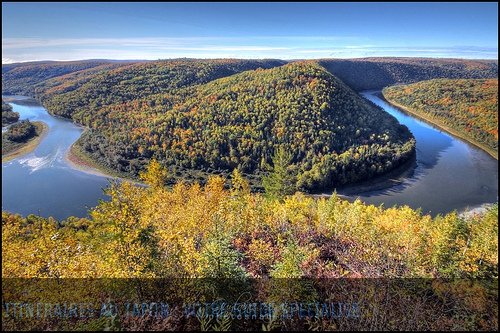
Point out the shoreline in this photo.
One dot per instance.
(346, 192)
(389, 179)
(76, 163)
(476, 210)
(442, 127)
(73, 161)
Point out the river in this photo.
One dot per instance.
(41, 182)
(449, 174)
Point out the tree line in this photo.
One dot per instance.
(239, 121)
(8, 115)
(377, 73)
(200, 117)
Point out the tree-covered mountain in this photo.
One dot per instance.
(335, 136)
(8, 115)
(469, 106)
(21, 78)
(216, 115)
(162, 119)
(76, 97)
(203, 115)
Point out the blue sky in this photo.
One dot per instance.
(247, 30)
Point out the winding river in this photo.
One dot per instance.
(41, 182)
(449, 174)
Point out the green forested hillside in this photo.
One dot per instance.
(469, 106)
(201, 117)
(383, 268)
(78, 97)
(238, 121)
(8, 115)
(21, 78)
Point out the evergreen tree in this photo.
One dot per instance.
(282, 178)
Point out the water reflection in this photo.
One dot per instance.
(449, 175)
(40, 182)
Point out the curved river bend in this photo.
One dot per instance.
(450, 174)
(41, 182)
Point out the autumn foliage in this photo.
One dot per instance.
(194, 232)
(469, 106)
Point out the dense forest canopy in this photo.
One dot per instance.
(226, 114)
(8, 115)
(20, 131)
(299, 125)
(216, 115)
(21, 78)
(377, 73)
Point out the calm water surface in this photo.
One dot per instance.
(41, 182)
(450, 174)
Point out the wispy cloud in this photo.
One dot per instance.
(20, 43)
(150, 48)
(7, 60)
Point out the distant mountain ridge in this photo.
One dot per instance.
(377, 73)
(359, 74)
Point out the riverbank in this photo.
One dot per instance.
(382, 182)
(77, 160)
(440, 126)
(472, 211)
(77, 163)
(42, 130)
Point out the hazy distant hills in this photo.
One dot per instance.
(216, 115)
(377, 73)
(21, 78)
(359, 74)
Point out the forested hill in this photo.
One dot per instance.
(377, 73)
(335, 136)
(74, 98)
(216, 115)
(22, 78)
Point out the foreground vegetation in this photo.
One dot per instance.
(468, 106)
(190, 233)
(187, 239)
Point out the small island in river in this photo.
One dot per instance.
(12, 149)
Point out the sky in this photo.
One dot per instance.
(63, 31)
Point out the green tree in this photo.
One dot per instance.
(282, 178)
(21, 131)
